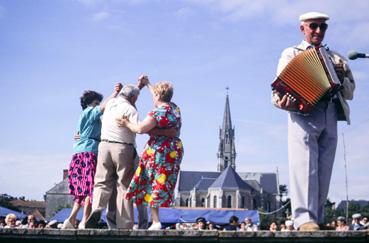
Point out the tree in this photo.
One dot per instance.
(330, 211)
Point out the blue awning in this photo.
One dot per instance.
(6, 211)
(180, 215)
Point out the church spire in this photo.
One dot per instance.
(226, 152)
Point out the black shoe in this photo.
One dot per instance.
(93, 221)
(325, 227)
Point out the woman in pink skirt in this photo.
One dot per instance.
(83, 165)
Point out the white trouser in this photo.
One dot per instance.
(312, 142)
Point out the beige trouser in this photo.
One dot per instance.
(114, 172)
(111, 210)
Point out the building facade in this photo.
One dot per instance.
(58, 197)
(227, 188)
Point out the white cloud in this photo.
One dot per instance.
(282, 11)
(101, 16)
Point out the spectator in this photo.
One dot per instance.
(243, 226)
(250, 226)
(183, 226)
(18, 224)
(193, 226)
(41, 224)
(201, 223)
(31, 222)
(333, 225)
(10, 221)
(233, 224)
(2, 223)
(273, 227)
(289, 225)
(365, 222)
(341, 224)
(283, 228)
(356, 225)
(211, 226)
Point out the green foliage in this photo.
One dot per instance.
(5, 201)
(354, 207)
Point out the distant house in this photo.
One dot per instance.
(58, 197)
(36, 208)
(226, 188)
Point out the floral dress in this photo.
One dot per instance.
(155, 178)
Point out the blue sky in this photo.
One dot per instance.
(50, 51)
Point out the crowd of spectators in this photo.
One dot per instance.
(359, 222)
(29, 222)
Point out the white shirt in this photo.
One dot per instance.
(117, 108)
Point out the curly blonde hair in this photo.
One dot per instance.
(165, 90)
(9, 217)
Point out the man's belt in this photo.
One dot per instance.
(110, 141)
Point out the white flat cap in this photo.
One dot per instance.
(288, 223)
(313, 15)
(356, 216)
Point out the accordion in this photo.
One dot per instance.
(308, 78)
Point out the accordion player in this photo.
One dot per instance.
(307, 79)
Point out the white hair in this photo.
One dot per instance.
(129, 91)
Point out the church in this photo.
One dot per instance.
(226, 188)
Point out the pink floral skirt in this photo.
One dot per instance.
(81, 175)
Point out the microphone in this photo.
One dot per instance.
(352, 55)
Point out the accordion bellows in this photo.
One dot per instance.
(307, 78)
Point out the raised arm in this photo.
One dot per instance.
(117, 88)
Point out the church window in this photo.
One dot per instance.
(229, 201)
(214, 201)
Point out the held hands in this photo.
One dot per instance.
(142, 81)
(122, 122)
(118, 87)
(77, 136)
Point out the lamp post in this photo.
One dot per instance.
(346, 183)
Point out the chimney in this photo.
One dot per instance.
(65, 174)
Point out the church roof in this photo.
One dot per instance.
(227, 120)
(188, 179)
(204, 184)
(200, 179)
(268, 181)
(254, 184)
(230, 179)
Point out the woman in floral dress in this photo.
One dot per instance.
(156, 176)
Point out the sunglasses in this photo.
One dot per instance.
(322, 26)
